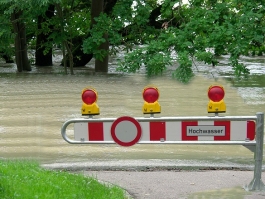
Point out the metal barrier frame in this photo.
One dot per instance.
(255, 146)
(256, 184)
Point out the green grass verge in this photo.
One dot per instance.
(27, 180)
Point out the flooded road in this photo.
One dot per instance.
(34, 106)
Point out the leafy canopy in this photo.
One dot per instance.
(157, 35)
(201, 30)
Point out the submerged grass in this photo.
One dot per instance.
(26, 179)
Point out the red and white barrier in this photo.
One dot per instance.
(127, 131)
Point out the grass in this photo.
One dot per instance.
(27, 180)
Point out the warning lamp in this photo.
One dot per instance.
(216, 95)
(89, 97)
(151, 105)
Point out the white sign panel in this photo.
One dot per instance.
(205, 130)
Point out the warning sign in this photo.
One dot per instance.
(205, 130)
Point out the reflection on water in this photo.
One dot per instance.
(34, 107)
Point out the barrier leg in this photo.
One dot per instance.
(257, 184)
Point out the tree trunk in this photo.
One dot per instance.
(102, 66)
(70, 54)
(96, 9)
(64, 60)
(24, 47)
(65, 43)
(79, 57)
(44, 58)
(21, 52)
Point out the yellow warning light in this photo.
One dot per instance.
(151, 105)
(216, 95)
(89, 97)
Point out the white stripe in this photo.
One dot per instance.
(81, 131)
(206, 138)
(145, 126)
(238, 130)
(173, 131)
(207, 123)
(106, 131)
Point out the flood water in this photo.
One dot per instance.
(34, 106)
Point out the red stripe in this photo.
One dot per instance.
(95, 131)
(251, 130)
(184, 131)
(157, 131)
(226, 124)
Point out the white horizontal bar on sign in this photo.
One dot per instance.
(89, 142)
(250, 143)
(199, 118)
(145, 119)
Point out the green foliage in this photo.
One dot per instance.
(140, 13)
(74, 22)
(201, 30)
(25, 179)
(207, 57)
(127, 16)
(132, 61)
(104, 26)
(239, 68)
(6, 36)
(148, 57)
(184, 72)
(204, 30)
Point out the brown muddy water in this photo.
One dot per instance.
(34, 106)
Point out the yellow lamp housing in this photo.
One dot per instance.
(91, 109)
(150, 96)
(89, 98)
(216, 107)
(150, 108)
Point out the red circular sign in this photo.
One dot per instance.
(126, 131)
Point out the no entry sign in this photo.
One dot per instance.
(126, 131)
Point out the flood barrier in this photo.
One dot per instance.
(127, 131)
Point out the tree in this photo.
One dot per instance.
(21, 50)
(102, 47)
(101, 64)
(6, 36)
(18, 12)
(154, 34)
(72, 24)
(187, 32)
(43, 53)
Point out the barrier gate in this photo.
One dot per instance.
(207, 130)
